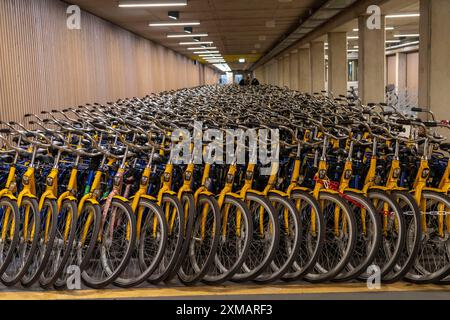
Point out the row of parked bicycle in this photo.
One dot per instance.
(96, 187)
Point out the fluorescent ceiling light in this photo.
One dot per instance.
(393, 41)
(241, 60)
(174, 24)
(402, 15)
(148, 3)
(207, 48)
(403, 45)
(353, 37)
(222, 67)
(184, 35)
(195, 43)
(352, 50)
(205, 52)
(210, 55)
(406, 35)
(387, 28)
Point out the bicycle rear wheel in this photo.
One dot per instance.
(340, 238)
(9, 231)
(203, 242)
(114, 248)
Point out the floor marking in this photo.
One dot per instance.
(229, 290)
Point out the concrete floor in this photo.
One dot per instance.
(281, 291)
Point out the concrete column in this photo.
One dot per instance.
(337, 63)
(280, 64)
(317, 66)
(434, 58)
(294, 70)
(286, 71)
(304, 73)
(401, 71)
(372, 62)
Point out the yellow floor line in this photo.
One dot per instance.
(166, 292)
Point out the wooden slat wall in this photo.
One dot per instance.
(44, 66)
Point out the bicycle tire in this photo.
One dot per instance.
(201, 252)
(264, 241)
(111, 267)
(8, 245)
(411, 213)
(151, 237)
(24, 251)
(321, 271)
(62, 247)
(394, 237)
(82, 249)
(174, 240)
(421, 272)
(231, 241)
(306, 205)
(188, 205)
(289, 241)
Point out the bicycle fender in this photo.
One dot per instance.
(147, 197)
(121, 198)
(259, 193)
(234, 195)
(46, 195)
(279, 193)
(354, 191)
(330, 191)
(65, 196)
(299, 189)
(23, 195)
(7, 195)
(433, 190)
(386, 189)
(87, 199)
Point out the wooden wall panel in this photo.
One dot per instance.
(44, 65)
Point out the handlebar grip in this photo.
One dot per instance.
(417, 109)
(5, 130)
(404, 122)
(430, 124)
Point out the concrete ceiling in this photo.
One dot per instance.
(237, 27)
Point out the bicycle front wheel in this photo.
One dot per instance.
(62, 246)
(114, 248)
(368, 238)
(29, 238)
(150, 245)
(340, 238)
(433, 259)
(9, 228)
(236, 230)
(203, 241)
(174, 216)
(290, 230)
(265, 238)
(312, 237)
